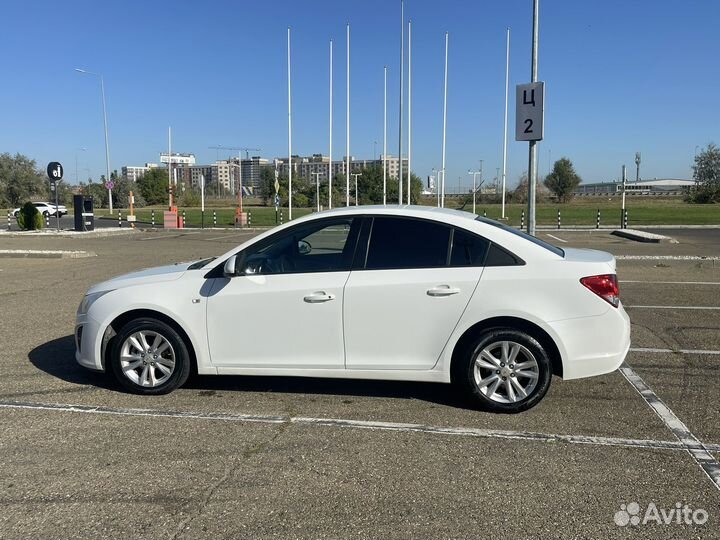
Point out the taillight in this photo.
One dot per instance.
(605, 286)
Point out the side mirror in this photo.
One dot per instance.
(230, 269)
(304, 247)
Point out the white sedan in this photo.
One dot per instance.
(400, 293)
(46, 209)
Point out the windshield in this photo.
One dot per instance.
(517, 232)
(201, 263)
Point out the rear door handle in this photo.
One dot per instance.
(319, 297)
(443, 290)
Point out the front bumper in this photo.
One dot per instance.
(87, 343)
(594, 345)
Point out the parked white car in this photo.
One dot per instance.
(401, 293)
(46, 209)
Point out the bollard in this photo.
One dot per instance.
(47, 220)
(249, 220)
(281, 217)
(522, 220)
(152, 218)
(558, 219)
(119, 218)
(484, 213)
(183, 219)
(597, 226)
(625, 220)
(214, 219)
(8, 221)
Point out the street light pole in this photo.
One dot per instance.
(317, 189)
(409, 167)
(105, 123)
(442, 197)
(330, 167)
(474, 174)
(356, 187)
(384, 157)
(505, 129)
(532, 154)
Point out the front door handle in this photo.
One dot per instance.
(443, 290)
(319, 297)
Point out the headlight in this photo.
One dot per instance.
(88, 301)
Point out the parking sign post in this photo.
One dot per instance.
(55, 174)
(529, 119)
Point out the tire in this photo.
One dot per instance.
(484, 374)
(159, 368)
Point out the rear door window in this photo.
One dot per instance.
(468, 249)
(397, 242)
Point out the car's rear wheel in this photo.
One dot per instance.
(504, 370)
(149, 357)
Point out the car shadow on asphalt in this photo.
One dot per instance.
(439, 394)
(57, 358)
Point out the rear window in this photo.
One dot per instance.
(468, 249)
(517, 232)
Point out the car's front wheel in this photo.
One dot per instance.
(149, 357)
(504, 370)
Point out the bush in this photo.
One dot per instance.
(29, 218)
(190, 197)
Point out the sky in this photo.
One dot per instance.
(621, 76)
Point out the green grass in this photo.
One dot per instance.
(584, 212)
(261, 216)
(581, 211)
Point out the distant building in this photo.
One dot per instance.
(655, 187)
(177, 159)
(133, 173)
(305, 166)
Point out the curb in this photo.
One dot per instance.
(97, 233)
(640, 236)
(44, 254)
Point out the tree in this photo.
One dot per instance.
(267, 185)
(20, 180)
(97, 192)
(563, 180)
(520, 193)
(153, 186)
(121, 193)
(706, 173)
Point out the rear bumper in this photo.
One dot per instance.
(594, 345)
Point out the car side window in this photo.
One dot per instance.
(468, 249)
(325, 246)
(397, 242)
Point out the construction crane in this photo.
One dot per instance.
(235, 149)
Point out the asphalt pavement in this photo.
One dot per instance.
(270, 457)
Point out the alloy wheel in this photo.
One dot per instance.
(147, 358)
(505, 371)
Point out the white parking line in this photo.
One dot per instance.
(556, 238)
(674, 307)
(162, 237)
(666, 258)
(359, 424)
(224, 236)
(699, 452)
(676, 351)
(670, 282)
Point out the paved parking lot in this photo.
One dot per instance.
(238, 457)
